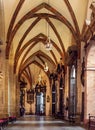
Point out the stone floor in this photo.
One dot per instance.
(42, 123)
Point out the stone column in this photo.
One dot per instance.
(66, 91)
(48, 93)
(57, 96)
(7, 87)
(17, 98)
(79, 90)
(51, 97)
(3, 86)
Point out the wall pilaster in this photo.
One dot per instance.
(3, 85)
(79, 96)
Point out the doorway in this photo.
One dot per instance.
(40, 103)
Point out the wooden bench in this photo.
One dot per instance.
(3, 123)
(12, 119)
(59, 116)
(72, 119)
(91, 123)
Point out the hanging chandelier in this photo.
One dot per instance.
(40, 85)
(48, 45)
(45, 67)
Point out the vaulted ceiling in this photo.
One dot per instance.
(27, 23)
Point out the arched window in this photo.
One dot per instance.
(72, 92)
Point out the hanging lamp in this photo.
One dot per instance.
(48, 45)
(45, 67)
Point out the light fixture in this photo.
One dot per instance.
(40, 85)
(39, 78)
(48, 45)
(45, 67)
(88, 21)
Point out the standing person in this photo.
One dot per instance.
(66, 108)
(22, 111)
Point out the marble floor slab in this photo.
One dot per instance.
(41, 123)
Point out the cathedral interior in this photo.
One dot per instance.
(47, 62)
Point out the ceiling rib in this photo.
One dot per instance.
(34, 54)
(57, 34)
(21, 2)
(73, 17)
(26, 33)
(35, 40)
(30, 13)
(88, 33)
(17, 58)
(28, 30)
(32, 62)
(26, 74)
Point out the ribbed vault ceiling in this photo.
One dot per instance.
(26, 31)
